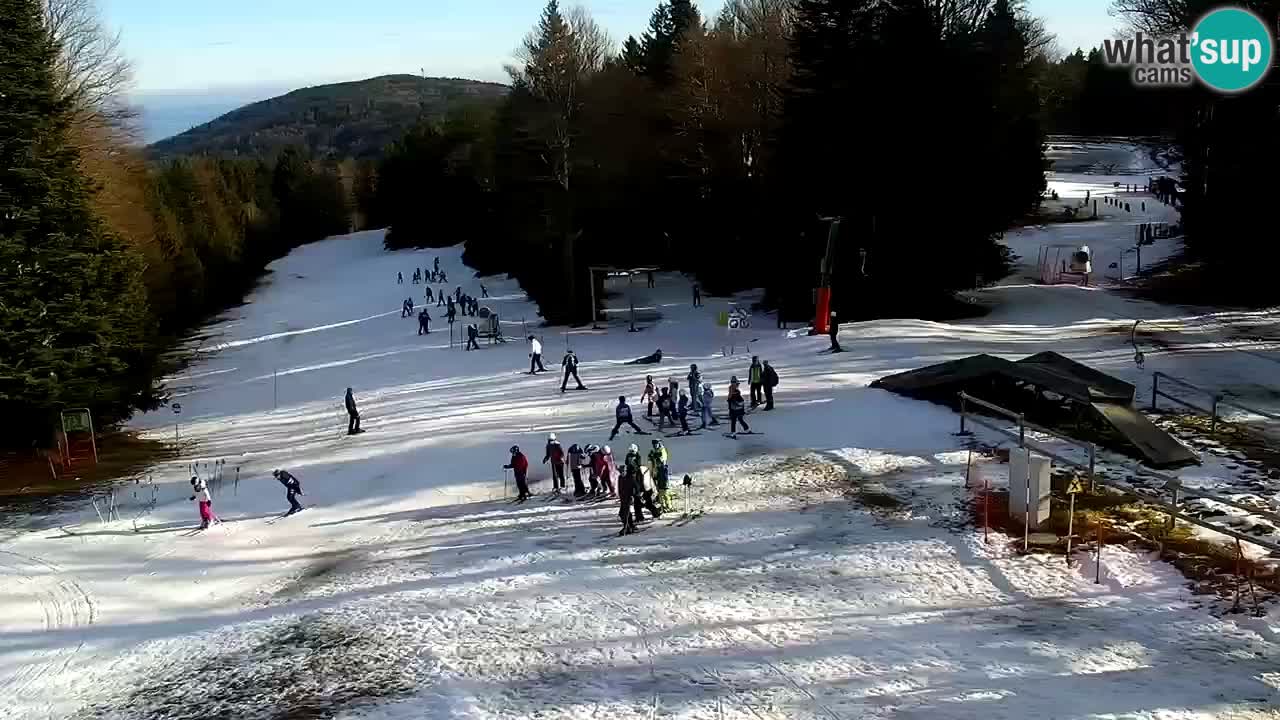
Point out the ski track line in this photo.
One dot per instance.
(64, 604)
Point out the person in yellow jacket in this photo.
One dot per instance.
(658, 458)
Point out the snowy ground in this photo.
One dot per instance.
(409, 589)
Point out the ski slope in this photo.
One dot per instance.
(410, 589)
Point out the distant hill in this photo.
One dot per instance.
(354, 119)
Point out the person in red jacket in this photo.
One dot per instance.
(520, 467)
(555, 453)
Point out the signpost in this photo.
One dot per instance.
(177, 410)
(1075, 487)
(77, 420)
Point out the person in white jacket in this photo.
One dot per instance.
(200, 495)
(535, 356)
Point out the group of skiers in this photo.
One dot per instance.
(639, 486)
(420, 275)
(675, 404)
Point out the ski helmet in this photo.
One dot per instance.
(622, 398)
(694, 366)
(657, 443)
(633, 448)
(276, 472)
(607, 450)
(551, 436)
(515, 449)
(733, 380)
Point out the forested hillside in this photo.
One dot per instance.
(351, 119)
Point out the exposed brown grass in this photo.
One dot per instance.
(121, 455)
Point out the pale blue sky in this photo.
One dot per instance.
(239, 44)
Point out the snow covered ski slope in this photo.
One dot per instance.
(828, 571)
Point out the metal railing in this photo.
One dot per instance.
(1216, 400)
(1172, 484)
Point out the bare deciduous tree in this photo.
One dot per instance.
(92, 71)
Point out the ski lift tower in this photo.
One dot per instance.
(822, 314)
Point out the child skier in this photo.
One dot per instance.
(650, 395)
(623, 415)
(737, 409)
(708, 418)
(555, 454)
(666, 409)
(682, 412)
(519, 466)
(576, 457)
(200, 494)
(292, 489)
(660, 470)
(694, 378)
(641, 485)
(755, 376)
(570, 365)
(595, 466)
(424, 322)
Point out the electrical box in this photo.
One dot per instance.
(1021, 463)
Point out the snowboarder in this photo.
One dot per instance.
(650, 395)
(660, 470)
(424, 322)
(697, 295)
(535, 356)
(555, 454)
(755, 376)
(399, 278)
(653, 359)
(353, 415)
(770, 382)
(737, 409)
(570, 365)
(200, 494)
(577, 459)
(682, 412)
(708, 418)
(666, 408)
(292, 489)
(484, 291)
(833, 329)
(473, 333)
(519, 466)
(623, 415)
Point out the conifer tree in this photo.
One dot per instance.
(73, 314)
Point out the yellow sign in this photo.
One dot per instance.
(1075, 486)
(722, 319)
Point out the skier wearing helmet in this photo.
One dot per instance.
(633, 492)
(622, 414)
(555, 453)
(292, 489)
(577, 459)
(519, 466)
(609, 469)
(659, 469)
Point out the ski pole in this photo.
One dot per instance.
(504, 484)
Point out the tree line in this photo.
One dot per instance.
(105, 258)
(719, 146)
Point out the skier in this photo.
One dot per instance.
(608, 469)
(200, 494)
(755, 376)
(424, 322)
(650, 273)
(770, 382)
(535, 356)
(653, 359)
(457, 293)
(404, 308)
(435, 276)
(399, 278)
(682, 412)
(555, 454)
(834, 331)
(661, 473)
(694, 378)
(292, 489)
(623, 415)
(737, 409)
(417, 276)
(665, 409)
(570, 365)
(429, 297)
(451, 313)
(519, 467)
(353, 415)
(595, 466)
(408, 303)
(484, 291)
(642, 487)
(627, 497)
(444, 278)
(473, 333)
(708, 418)
(650, 395)
(576, 462)
(697, 295)
(440, 299)
(437, 264)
